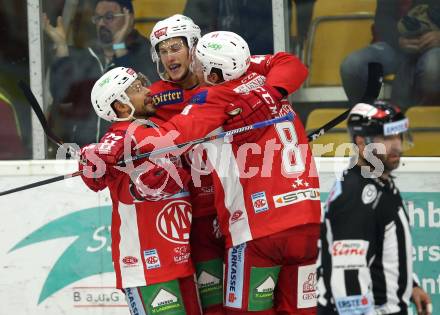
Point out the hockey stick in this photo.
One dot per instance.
(42, 118)
(223, 134)
(39, 113)
(290, 116)
(374, 83)
(41, 183)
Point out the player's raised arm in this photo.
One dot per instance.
(282, 70)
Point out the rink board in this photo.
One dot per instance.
(55, 253)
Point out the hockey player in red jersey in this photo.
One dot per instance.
(270, 218)
(172, 40)
(151, 213)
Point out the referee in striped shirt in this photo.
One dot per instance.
(365, 263)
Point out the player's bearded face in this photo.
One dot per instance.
(393, 151)
(174, 56)
(140, 97)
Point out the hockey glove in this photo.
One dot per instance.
(260, 104)
(93, 168)
(111, 147)
(163, 179)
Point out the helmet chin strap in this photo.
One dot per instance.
(131, 115)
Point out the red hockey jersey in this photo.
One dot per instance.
(150, 240)
(270, 189)
(170, 99)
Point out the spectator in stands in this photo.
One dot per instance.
(236, 16)
(407, 43)
(75, 70)
(242, 16)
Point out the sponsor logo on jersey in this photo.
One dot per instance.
(151, 259)
(234, 283)
(161, 32)
(369, 194)
(231, 297)
(207, 189)
(307, 281)
(206, 279)
(168, 97)
(295, 197)
(129, 260)
(131, 300)
(259, 202)
(356, 304)
(164, 298)
(236, 216)
(349, 253)
(174, 222)
(199, 98)
(349, 248)
(181, 254)
(266, 288)
(210, 281)
(309, 287)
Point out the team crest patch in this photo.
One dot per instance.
(369, 194)
(152, 259)
(259, 202)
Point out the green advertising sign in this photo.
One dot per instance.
(89, 254)
(424, 213)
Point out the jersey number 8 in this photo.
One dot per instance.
(290, 154)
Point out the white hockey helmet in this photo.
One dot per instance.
(177, 25)
(225, 51)
(111, 87)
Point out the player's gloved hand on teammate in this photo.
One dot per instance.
(93, 168)
(111, 147)
(97, 160)
(162, 179)
(258, 105)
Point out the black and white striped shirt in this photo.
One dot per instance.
(365, 264)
